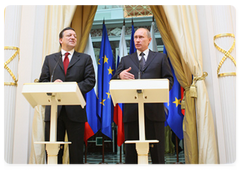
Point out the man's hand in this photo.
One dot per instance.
(58, 80)
(125, 75)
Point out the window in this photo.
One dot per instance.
(137, 10)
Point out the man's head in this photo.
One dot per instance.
(68, 39)
(142, 38)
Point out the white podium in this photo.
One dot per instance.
(54, 94)
(140, 91)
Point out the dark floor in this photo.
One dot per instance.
(95, 158)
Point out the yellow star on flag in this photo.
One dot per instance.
(108, 93)
(102, 102)
(105, 59)
(110, 71)
(99, 61)
(177, 101)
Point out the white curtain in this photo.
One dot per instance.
(219, 20)
(56, 18)
(12, 25)
(184, 24)
(37, 154)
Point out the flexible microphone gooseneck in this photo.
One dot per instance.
(140, 65)
(55, 68)
(139, 70)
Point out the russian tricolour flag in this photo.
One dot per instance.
(93, 123)
(118, 110)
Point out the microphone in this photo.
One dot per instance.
(55, 68)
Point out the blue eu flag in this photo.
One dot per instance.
(132, 45)
(175, 116)
(106, 69)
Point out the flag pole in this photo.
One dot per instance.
(120, 155)
(102, 150)
(102, 133)
(176, 145)
(85, 153)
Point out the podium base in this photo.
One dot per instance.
(178, 163)
(141, 141)
(142, 147)
(53, 143)
(120, 163)
(103, 163)
(52, 149)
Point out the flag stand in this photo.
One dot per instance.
(176, 145)
(120, 155)
(86, 153)
(102, 150)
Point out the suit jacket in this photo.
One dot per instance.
(80, 70)
(156, 66)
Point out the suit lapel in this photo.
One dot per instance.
(75, 58)
(151, 56)
(134, 58)
(59, 57)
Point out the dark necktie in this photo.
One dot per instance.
(66, 62)
(142, 61)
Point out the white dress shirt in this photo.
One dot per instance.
(69, 56)
(146, 52)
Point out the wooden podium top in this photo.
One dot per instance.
(65, 93)
(154, 90)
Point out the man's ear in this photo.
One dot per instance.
(60, 40)
(150, 39)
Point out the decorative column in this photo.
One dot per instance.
(11, 56)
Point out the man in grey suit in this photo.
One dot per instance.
(69, 66)
(144, 64)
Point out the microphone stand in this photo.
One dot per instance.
(51, 79)
(139, 70)
(55, 68)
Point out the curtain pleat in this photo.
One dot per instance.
(82, 24)
(184, 23)
(57, 17)
(184, 77)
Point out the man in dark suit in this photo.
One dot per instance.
(69, 66)
(153, 65)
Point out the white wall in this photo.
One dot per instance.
(31, 44)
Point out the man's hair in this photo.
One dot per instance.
(67, 28)
(148, 34)
(147, 31)
(61, 33)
